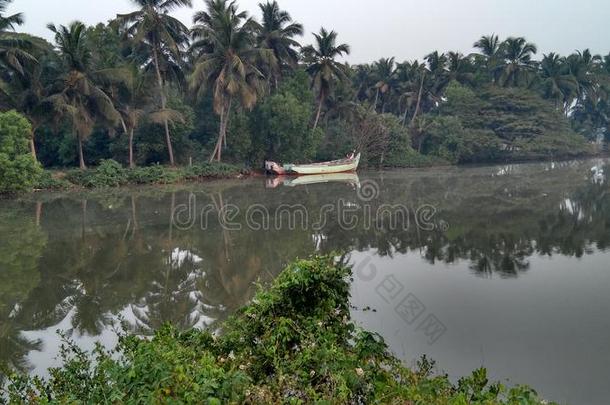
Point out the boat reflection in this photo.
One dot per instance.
(347, 178)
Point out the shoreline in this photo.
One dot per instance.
(63, 184)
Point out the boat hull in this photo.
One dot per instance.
(339, 166)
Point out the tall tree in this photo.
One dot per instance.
(78, 96)
(277, 32)
(363, 81)
(14, 49)
(164, 37)
(439, 75)
(323, 67)
(459, 68)
(15, 58)
(489, 52)
(227, 62)
(582, 66)
(488, 45)
(518, 65)
(384, 73)
(557, 82)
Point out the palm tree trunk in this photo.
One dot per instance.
(32, 143)
(33, 147)
(227, 116)
(81, 158)
(131, 162)
(404, 117)
(168, 139)
(216, 154)
(315, 125)
(417, 106)
(129, 133)
(376, 99)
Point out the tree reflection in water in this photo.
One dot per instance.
(95, 256)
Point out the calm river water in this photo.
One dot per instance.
(506, 267)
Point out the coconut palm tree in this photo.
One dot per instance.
(384, 73)
(583, 66)
(78, 96)
(488, 45)
(489, 56)
(459, 68)
(517, 66)
(164, 38)
(131, 101)
(276, 32)
(558, 83)
(363, 81)
(323, 67)
(27, 92)
(421, 76)
(14, 49)
(437, 66)
(410, 77)
(135, 104)
(228, 62)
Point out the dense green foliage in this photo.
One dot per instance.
(294, 343)
(18, 168)
(111, 173)
(144, 89)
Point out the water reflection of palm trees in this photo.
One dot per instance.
(21, 245)
(94, 257)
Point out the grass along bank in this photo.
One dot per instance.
(112, 174)
(294, 344)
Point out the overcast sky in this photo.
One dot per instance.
(406, 29)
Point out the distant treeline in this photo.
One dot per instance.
(144, 88)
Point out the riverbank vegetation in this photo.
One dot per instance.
(294, 343)
(146, 89)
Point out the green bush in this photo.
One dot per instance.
(19, 171)
(147, 175)
(109, 173)
(155, 174)
(293, 344)
(280, 125)
(500, 123)
(47, 181)
(446, 138)
(210, 170)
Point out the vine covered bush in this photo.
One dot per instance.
(19, 171)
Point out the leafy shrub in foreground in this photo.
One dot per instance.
(293, 344)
